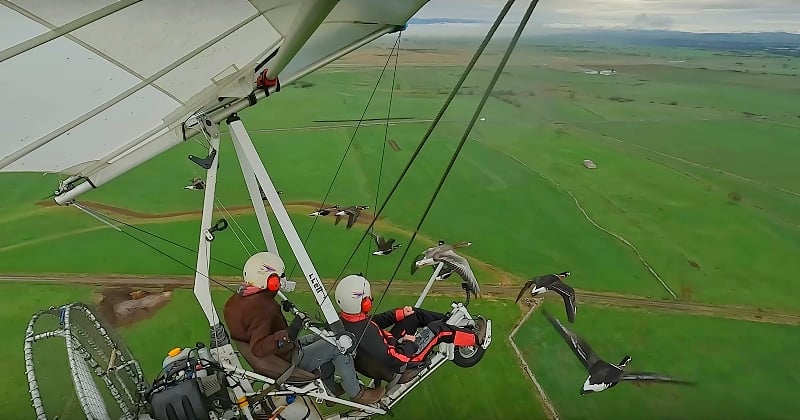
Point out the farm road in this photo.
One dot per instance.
(452, 289)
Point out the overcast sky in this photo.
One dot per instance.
(683, 15)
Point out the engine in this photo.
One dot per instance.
(191, 385)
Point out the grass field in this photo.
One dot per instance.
(696, 155)
(731, 382)
(183, 322)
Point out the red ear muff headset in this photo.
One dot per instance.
(273, 282)
(366, 304)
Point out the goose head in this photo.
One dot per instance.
(419, 261)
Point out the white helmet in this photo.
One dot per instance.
(351, 292)
(258, 268)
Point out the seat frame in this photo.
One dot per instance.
(273, 366)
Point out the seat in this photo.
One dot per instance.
(378, 372)
(371, 369)
(273, 366)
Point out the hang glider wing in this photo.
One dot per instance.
(96, 88)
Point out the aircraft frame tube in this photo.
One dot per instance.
(429, 285)
(155, 148)
(255, 196)
(239, 135)
(202, 284)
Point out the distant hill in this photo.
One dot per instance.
(775, 42)
(435, 21)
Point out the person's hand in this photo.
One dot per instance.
(408, 311)
(282, 336)
(409, 337)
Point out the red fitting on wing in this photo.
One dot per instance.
(263, 82)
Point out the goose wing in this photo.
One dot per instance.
(583, 351)
(351, 219)
(568, 293)
(460, 265)
(527, 285)
(545, 280)
(653, 377)
(378, 239)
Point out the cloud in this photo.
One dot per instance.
(684, 15)
(645, 21)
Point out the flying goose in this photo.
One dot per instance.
(324, 211)
(352, 214)
(445, 254)
(195, 184)
(446, 271)
(555, 283)
(264, 195)
(384, 247)
(602, 375)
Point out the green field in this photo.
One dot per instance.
(696, 155)
(147, 343)
(731, 382)
(659, 183)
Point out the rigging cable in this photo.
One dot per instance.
(427, 135)
(352, 138)
(98, 215)
(383, 149)
(164, 253)
(461, 143)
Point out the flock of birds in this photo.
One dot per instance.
(351, 213)
(442, 253)
(602, 375)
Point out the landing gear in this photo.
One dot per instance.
(467, 357)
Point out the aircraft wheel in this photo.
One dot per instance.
(467, 357)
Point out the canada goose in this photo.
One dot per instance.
(602, 375)
(264, 195)
(555, 283)
(324, 211)
(445, 254)
(352, 214)
(384, 247)
(195, 184)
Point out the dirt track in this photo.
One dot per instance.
(306, 206)
(453, 289)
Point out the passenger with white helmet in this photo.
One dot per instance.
(254, 316)
(396, 349)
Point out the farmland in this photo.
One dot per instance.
(696, 179)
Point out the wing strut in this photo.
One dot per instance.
(249, 154)
(429, 285)
(258, 202)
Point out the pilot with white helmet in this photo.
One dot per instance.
(385, 348)
(254, 316)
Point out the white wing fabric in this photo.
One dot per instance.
(87, 82)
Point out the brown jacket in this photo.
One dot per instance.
(255, 319)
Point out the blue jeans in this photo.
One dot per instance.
(316, 353)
